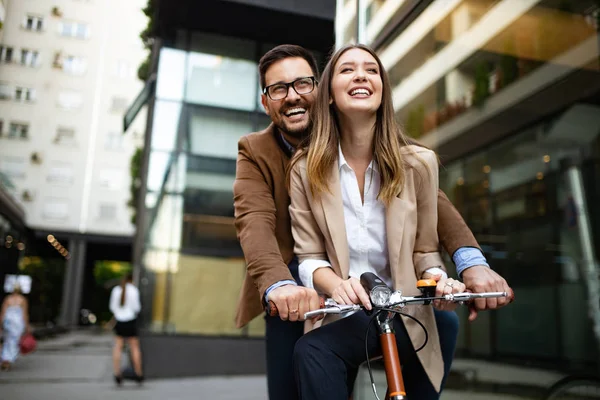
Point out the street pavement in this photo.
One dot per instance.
(77, 366)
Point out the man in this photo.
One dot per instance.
(289, 76)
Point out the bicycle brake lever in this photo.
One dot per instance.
(333, 309)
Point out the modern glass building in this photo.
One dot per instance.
(203, 96)
(508, 93)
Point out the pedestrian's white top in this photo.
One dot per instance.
(131, 307)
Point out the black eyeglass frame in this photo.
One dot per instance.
(292, 83)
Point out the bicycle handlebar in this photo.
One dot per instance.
(397, 301)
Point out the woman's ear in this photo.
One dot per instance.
(330, 101)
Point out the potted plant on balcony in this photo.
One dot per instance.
(58, 60)
(482, 83)
(56, 12)
(414, 121)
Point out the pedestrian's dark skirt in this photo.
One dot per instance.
(126, 329)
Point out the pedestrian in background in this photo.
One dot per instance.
(15, 323)
(125, 306)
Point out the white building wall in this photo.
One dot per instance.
(81, 184)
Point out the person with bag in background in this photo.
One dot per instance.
(125, 306)
(15, 323)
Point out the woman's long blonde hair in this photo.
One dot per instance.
(321, 149)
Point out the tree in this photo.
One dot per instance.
(135, 167)
(147, 36)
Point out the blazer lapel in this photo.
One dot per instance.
(394, 221)
(333, 208)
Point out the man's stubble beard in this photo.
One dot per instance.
(298, 134)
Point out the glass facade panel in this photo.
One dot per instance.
(171, 74)
(157, 170)
(167, 121)
(215, 132)
(221, 81)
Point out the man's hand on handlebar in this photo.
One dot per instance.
(445, 286)
(481, 279)
(294, 301)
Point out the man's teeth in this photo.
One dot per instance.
(293, 111)
(360, 91)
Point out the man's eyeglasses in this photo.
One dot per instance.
(279, 91)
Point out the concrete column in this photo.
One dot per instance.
(72, 286)
(63, 319)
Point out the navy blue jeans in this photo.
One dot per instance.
(281, 337)
(323, 357)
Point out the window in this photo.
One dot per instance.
(74, 65)
(113, 141)
(6, 54)
(54, 208)
(18, 130)
(118, 104)
(13, 167)
(33, 23)
(124, 69)
(70, 100)
(24, 95)
(61, 173)
(29, 58)
(111, 178)
(77, 30)
(6, 91)
(107, 212)
(65, 136)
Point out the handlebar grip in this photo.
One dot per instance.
(271, 308)
(369, 281)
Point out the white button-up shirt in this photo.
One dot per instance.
(365, 228)
(130, 309)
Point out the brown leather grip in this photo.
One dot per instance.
(271, 308)
(393, 371)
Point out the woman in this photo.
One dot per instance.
(125, 306)
(15, 323)
(362, 199)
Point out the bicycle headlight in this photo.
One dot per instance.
(380, 295)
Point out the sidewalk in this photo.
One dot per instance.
(77, 366)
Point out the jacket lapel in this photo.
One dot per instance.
(333, 208)
(394, 221)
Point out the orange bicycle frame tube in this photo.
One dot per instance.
(393, 370)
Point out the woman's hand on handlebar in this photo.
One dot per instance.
(445, 286)
(350, 291)
(343, 291)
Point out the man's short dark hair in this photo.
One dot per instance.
(285, 51)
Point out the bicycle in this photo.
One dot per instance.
(575, 387)
(386, 304)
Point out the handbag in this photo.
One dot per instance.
(28, 343)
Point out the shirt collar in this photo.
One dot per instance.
(287, 144)
(342, 161)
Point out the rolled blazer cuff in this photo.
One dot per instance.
(424, 261)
